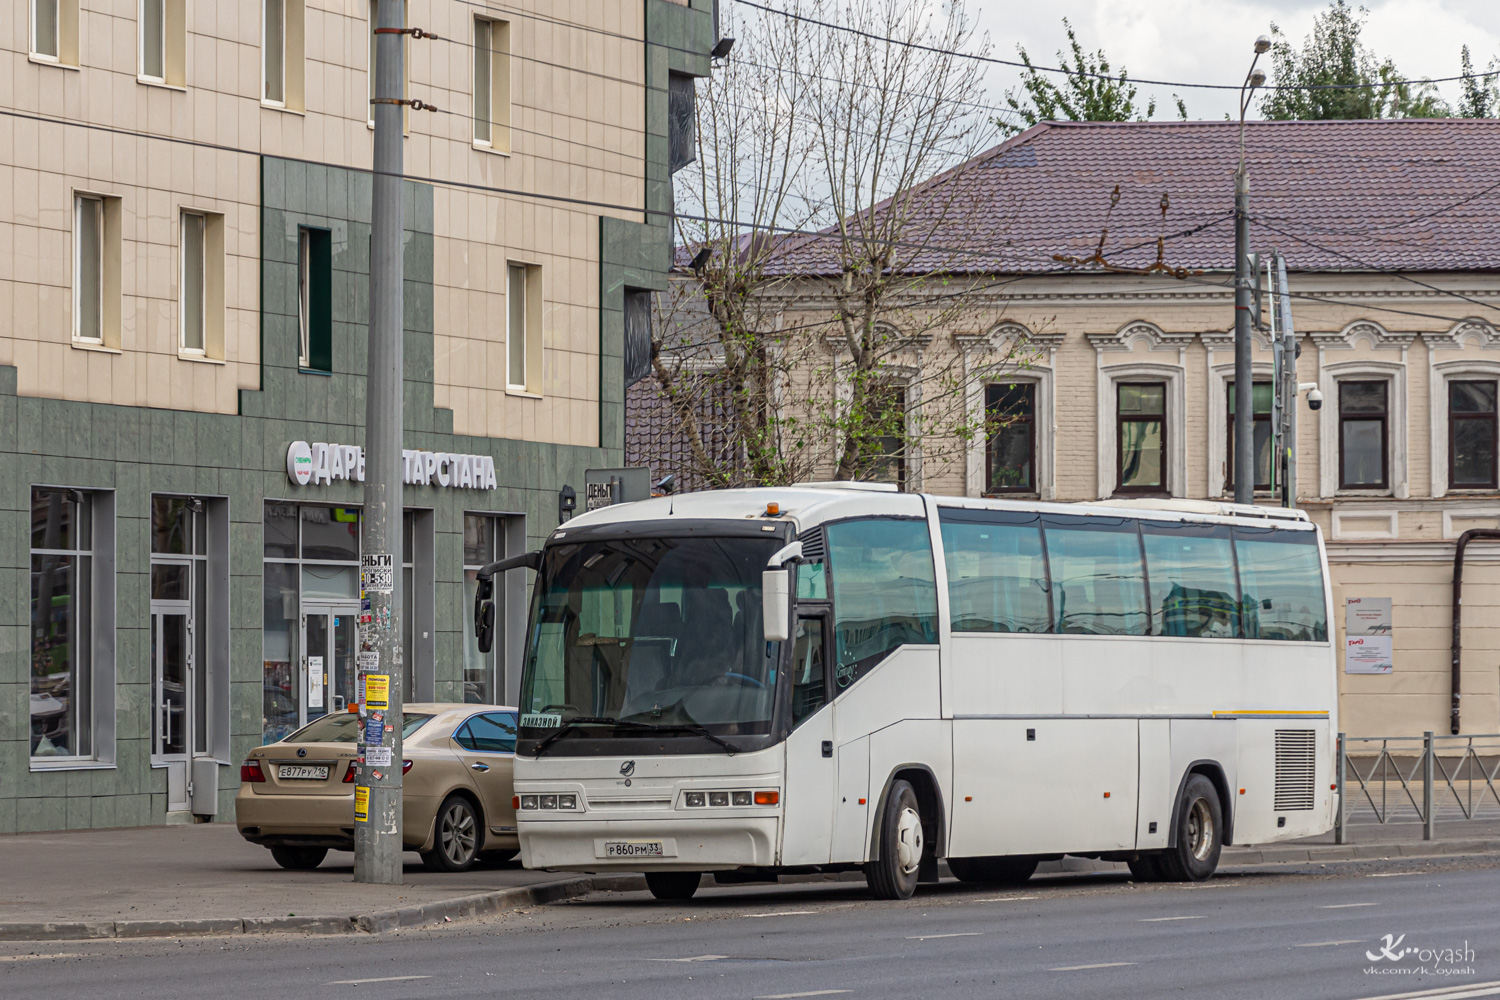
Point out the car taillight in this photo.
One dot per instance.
(349, 774)
(405, 766)
(250, 771)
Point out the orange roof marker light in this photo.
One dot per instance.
(773, 510)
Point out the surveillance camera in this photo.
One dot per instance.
(1314, 399)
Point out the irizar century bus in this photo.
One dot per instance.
(842, 677)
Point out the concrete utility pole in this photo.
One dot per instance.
(1287, 390)
(1244, 387)
(377, 809)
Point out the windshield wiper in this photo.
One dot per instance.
(584, 720)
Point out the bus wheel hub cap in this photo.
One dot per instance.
(909, 840)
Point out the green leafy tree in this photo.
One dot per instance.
(1340, 77)
(1091, 92)
(1481, 91)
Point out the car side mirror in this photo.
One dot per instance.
(776, 599)
(484, 613)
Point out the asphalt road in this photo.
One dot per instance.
(1281, 932)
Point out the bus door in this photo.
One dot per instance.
(810, 766)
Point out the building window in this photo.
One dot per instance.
(273, 49)
(492, 84)
(194, 261)
(315, 299)
(484, 543)
(153, 31)
(54, 31)
(88, 269)
(1010, 453)
(62, 599)
(883, 453)
(1261, 423)
(681, 121)
(1141, 437)
(522, 325)
(1471, 435)
(1363, 435)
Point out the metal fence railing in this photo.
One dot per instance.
(1416, 779)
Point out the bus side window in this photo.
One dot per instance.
(884, 590)
(1193, 587)
(1098, 587)
(809, 686)
(1281, 578)
(997, 580)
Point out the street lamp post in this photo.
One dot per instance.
(1244, 388)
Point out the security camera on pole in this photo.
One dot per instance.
(1244, 388)
(377, 793)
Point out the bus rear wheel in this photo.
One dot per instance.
(1200, 834)
(993, 871)
(673, 885)
(894, 874)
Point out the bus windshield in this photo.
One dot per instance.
(652, 632)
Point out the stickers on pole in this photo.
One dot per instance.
(369, 660)
(315, 682)
(375, 730)
(377, 573)
(378, 756)
(361, 805)
(1369, 646)
(377, 691)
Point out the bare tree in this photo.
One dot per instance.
(818, 217)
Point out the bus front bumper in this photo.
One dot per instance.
(708, 844)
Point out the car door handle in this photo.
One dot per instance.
(479, 767)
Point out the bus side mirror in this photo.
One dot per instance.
(776, 598)
(484, 613)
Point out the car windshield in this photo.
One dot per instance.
(344, 728)
(651, 631)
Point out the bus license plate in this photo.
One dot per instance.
(318, 772)
(633, 849)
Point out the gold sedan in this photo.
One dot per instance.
(297, 796)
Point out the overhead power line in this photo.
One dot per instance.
(996, 60)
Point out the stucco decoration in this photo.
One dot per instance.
(1371, 332)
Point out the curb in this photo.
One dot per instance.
(541, 894)
(377, 922)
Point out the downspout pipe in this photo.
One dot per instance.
(1458, 595)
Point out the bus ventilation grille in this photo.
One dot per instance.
(1296, 769)
(813, 547)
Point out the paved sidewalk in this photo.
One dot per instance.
(204, 879)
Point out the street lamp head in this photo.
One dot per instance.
(1257, 78)
(1262, 45)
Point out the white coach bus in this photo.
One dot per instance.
(841, 677)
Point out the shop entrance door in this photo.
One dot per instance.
(172, 687)
(328, 644)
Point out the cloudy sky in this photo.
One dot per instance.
(1211, 40)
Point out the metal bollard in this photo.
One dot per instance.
(1338, 816)
(1429, 817)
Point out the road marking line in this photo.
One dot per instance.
(1005, 899)
(384, 979)
(1445, 993)
(1345, 906)
(1394, 874)
(33, 958)
(793, 996)
(779, 913)
(695, 958)
(929, 937)
(1324, 944)
(1100, 965)
(1158, 920)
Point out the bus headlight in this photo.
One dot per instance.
(528, 802)
(693, 799)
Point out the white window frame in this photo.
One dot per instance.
(1443, 372)
(1108, 456)
(265, 50)
(57, 13)
(511, 384)
(182, 275)
(1329, 378)
(487, 26)
(140, 11)
(1220, 378)
(78, 202)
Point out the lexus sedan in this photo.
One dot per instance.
(296, 796)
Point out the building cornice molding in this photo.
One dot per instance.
(1127, 337)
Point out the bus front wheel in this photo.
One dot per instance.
(1200, 834)
(894, 874)
(673, 885)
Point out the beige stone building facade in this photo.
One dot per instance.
(1124, 379)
